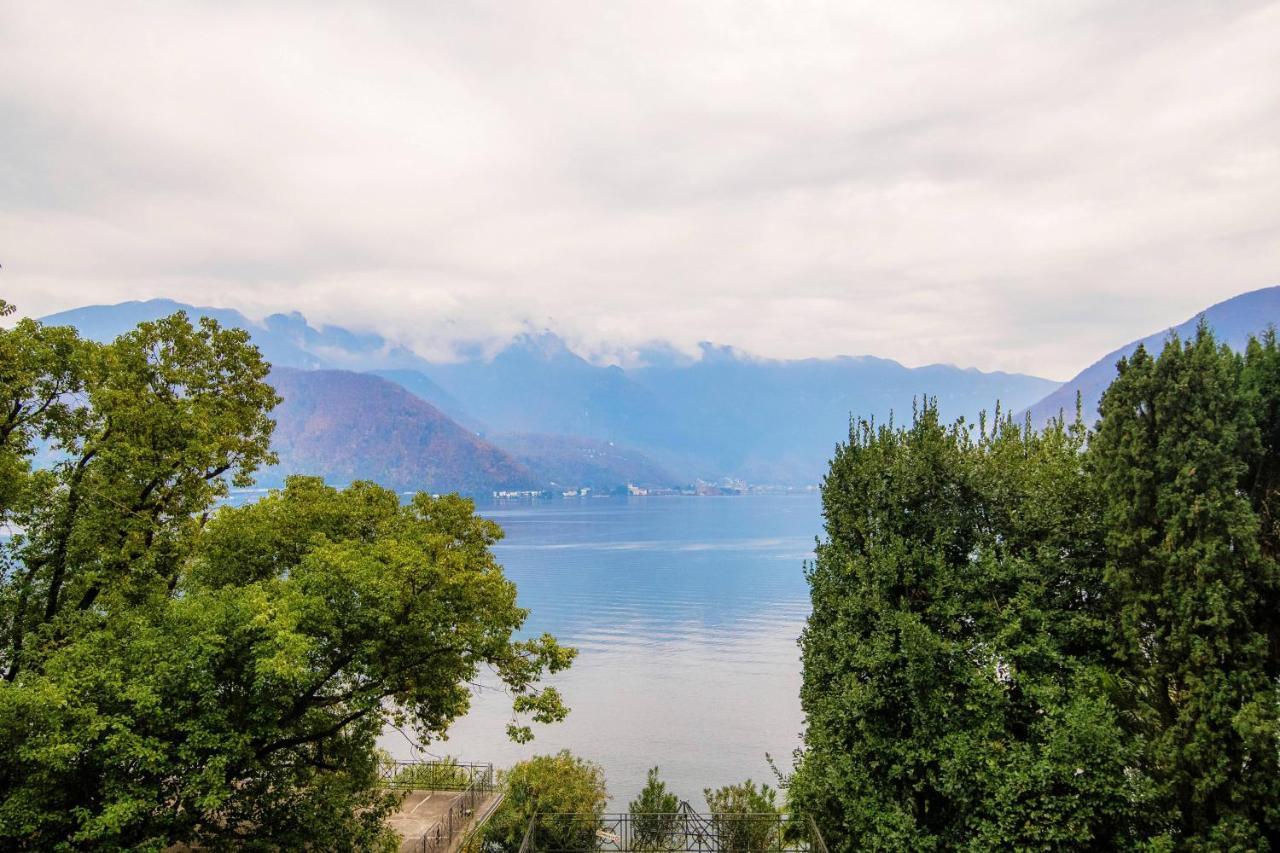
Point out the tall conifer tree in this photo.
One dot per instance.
(1192, 589)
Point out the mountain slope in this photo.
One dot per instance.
(538, 385)
(347, 426)
(778, 421)
(1232, 320)
(722, 414)
(420, 385)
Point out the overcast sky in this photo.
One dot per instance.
(1016, 185)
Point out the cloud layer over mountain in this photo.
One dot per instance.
(725, 414)
(1006, 185)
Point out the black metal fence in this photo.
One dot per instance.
(437, 775)
(475, 784)
(460, 816)
(684, 831)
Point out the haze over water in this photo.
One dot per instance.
(685, 612)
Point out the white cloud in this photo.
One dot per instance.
(1014, 186)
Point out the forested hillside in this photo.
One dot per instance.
(353, 426)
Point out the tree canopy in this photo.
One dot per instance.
(180, 670)
(567, 793)
(1038, 639)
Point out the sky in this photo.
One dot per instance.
(1020, 186)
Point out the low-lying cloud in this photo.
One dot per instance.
(1009, 186)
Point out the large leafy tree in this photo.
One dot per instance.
(1046, 639)
(174, 672)
(1182, 464)
(952, 662)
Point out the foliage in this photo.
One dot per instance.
(444, 774)
(955, 632)
(745, 818)
(567, 792)
(1050, 639)
(1193, 590)
(653, 815)
(176, 673)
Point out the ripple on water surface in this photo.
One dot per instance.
(686, 613)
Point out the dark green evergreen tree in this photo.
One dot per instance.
(1261, 380)
(1176, 453)
(655, 822)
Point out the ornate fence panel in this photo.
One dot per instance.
(685, 831)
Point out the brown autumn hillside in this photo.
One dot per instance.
(352, 426)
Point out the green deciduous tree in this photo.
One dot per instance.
(174, 672)
(953, 679)
(566, 792)
(1048, 639)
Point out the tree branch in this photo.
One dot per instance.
(312, 737)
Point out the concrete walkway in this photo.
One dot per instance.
(422, 810)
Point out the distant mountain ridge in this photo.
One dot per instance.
(768, 421)
(724, 414)
(107, 322)
(1233, 320)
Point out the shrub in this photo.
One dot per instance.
(745, 818)
(442, 775)
(567, 792)
(654, 819)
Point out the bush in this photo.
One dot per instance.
(567, 792)
(745, 818)
(654, 819)
(442, 775)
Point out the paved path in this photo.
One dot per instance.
(422, 810)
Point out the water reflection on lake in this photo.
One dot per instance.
(686, 612)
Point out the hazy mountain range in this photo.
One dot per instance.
(1233, 321)
(537, 415)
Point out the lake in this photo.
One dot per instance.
(685, 611)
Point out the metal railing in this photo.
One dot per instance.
(459, 817)
(474, 783)
(436, 775)
(683, 831)
(816, 844)
(526, 844)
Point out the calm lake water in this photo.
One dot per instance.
(685, 611)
